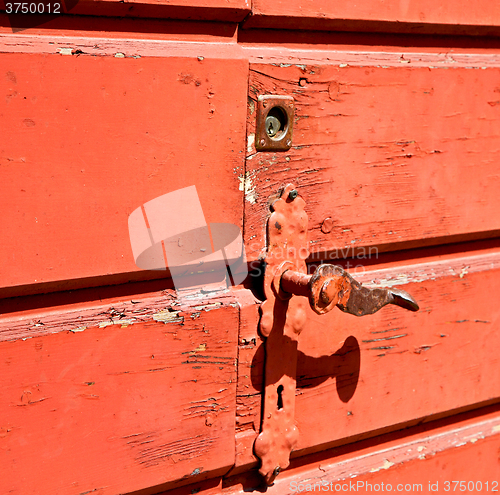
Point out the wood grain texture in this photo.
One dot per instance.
(465, 450)
(76, 159)
(424, 16)
(357, 377)
(122, 407)
(393, 156)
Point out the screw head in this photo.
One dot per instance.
(293, 194)
(262, 142)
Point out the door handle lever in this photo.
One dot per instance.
(283, 316)
(331, 286)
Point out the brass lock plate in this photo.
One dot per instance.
(274, 126)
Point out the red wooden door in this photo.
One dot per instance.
(112, 383)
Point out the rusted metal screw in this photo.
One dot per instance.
(293, 194)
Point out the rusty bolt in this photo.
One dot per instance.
(327, 225)
(262, 142)
(293, 194)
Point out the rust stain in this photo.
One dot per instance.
(4, 431)
(11, 76)
(188, 79)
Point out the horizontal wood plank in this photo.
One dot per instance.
(76, 159)
(425, 16)
(460, 454)
(211, 10)
(357, 377)
(116, 408)
(388, 157)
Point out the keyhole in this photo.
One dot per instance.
(280, 397)
(276, 123)
(273, 125)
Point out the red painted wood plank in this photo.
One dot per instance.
(213, 10)
(76, 159)
(218, 10)
(389, 157)
(118, 28)
(464, 450)
(358, 377)
(367, 15)
(120, 406)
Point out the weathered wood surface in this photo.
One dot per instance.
(212, 10)
(357, 377)
(76, 159)
(387, 157)
(424, 16)
(118, 407)
(123, 28)
(464, 450)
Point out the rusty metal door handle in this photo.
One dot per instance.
(331, 286)
(283, 317)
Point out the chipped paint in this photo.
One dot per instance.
(200, 348)
(250, 143)
(66, 51)
(123, 322)
(248, 186)
(78, 329)
(386, 465)
(496, 429)
(400, 279)
(168, 316)
(208, 307)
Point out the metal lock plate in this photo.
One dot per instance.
(281, 323)
(274, 126)
(284, 316)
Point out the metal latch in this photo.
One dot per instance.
(284, 316)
